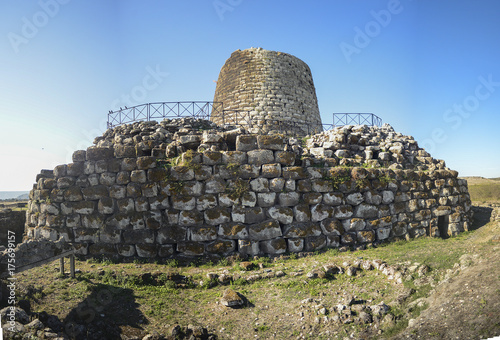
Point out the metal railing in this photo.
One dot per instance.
(214, 111)
(150, 111)
(356, 119)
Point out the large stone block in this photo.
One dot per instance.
(283, 215)
(234, 157)
(95, 153)
(201, 234)
(102, 249)
(248, 247)
(183, 202)
(260, 185)
(315, 243)
(302, 230)
(191, 248)
(217, 215)
(246, 142)
(139, 236)
(265, 230)
(190, 218)
(270, 142)
(83, 207)
(171, 234)
(302, 213)
(146, 250)
(259, 157)
(285, 158)
(266, 199)
(331, 226)
(294, 172)
(181, 173)
(319, 212)
(275, 246)
(271, 170)
(288, 199)
(222, 247)
(295, 245)
(366, 211)
(95, 192)
(212, 157)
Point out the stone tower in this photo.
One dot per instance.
(267, 91)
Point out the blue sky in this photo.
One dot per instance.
(429, 68)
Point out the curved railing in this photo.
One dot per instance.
(205, 110)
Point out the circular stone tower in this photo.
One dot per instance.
(267, 91)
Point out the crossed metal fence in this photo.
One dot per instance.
(215, 112)
(356, 119)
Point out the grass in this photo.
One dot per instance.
(484, 189)
(132, 296)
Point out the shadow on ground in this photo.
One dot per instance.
(107, 313)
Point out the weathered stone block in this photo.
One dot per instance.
(348, 238)
(79, 156)
(259, 157)
(126, 250)
(265, 230)
(246, 142)
(294, 172)
(138, 176)
(95, 153)
(233, 230)
(306, 229)
(276, 184)
(83, 207)
(366, 211)
(102, 249)
(95, 192)
(190, 218)
(75, 169)
(129, 164)
(117, 191)
(315, 243)
(271, 170)
(65, 182)
(285, 158)
(86, 235)
(260, 185)
(312, 198)
(171, 234)
(215, 186)
(399, 229)
(322, 185)
(365, 236)
(253, 215)
(181, 173)
(302, 213)
(319, 212)
(247, 171)
(441, 211)
(333, 198)
(73, 194)
(331, 226)
(110, 235)
(274, 247)
(191, 248)
(217, 215)
(287, 199)
(106, 205)
(248, 247)
(332, 241)
(281, 214)
(125, 205)
(270, 142)
(295, 245)
(146, 250)
(266, 199)
(139, 235)
(212, 157)
(222, 247)
(234, 157)
(183, 202)
(201, 234)
(354, 198)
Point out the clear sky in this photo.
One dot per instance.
(429, 68)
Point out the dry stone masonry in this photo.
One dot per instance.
(267, 90)
(190, 188)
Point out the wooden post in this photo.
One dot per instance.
(62, 265)
(72, 265)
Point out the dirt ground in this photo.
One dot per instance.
(466, 305)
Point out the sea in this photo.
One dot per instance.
(6, 195)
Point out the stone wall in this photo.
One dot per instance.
(13, 221)
(157, 190)
(272, 88)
